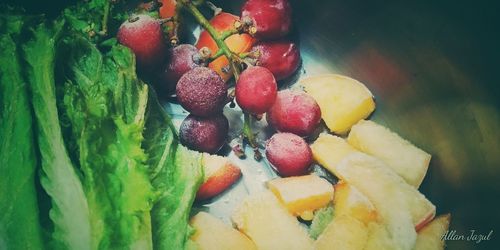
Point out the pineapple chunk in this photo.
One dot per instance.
(344, 232)
(404, 158)
(302, 194)
(350, 201)
(328, 150)
(343, 101)
(388, 192)
(212, 234)
(430, 236)
(268, 223)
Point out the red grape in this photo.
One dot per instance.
(271, 18)
(205, 134)
(202, 92)
(281, 57)
(289, 154)
(256, 90)
(143, 35)
(181, 59)
(295, 112)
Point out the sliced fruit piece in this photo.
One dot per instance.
(350, 201)
(344, 232)
(302, 193)
(328, 150)
(388, 192)
(268, 223)
(430, 237)
(343, 100)
(404, 158)
(212, 234)
(220, 174)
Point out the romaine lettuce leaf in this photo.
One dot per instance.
(105, 104)
(70, 212)
(176, 173)
(19, 221)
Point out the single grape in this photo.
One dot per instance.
(271, 18)
(295, 112)
(204, 134)
(181, 59)
(202, 92)
(143, 35)
(256, 90)
(281, 57)
(289, 154)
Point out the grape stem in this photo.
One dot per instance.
(233, 63)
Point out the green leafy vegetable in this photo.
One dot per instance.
(19, 220)
(70, 212)
(176, 173)
(105, 104)
(322, 218)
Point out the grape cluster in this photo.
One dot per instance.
(255, 43)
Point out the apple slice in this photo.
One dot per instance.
(220, 174)
(328, 150)
(404, 158)
(430, 237)
(302, 193)
(348, 200)
(384, 188)
(212, 234)
(344, 232)
(343, 101)
(269, 224)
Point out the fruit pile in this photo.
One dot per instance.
(252, 48)
(244, 59)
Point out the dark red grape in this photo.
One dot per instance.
(271, 18)
(295, 112)
(204, 134)
(289, 154)
(181, 59)
(281, 57)
(256, 90)
(202, 92)
(144, 36)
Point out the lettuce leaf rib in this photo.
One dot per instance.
(70, 212)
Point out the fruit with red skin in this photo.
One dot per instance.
(289, 154)
(271, 18)
(256, 90)
(219, 174)
(295, 112)
(143, 35)
(202, 92)
(237, 43)
(181, 59)
(281, 57)
(204, 134)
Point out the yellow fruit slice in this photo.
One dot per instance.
(350, 201)
(404, 158)
(212, 234)
(269, 224)
(344, 232)
(343, 101)
(328, 150)
(430, 237)
(302, 194)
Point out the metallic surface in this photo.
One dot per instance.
(433, 67)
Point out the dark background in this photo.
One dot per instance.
(434, 69)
